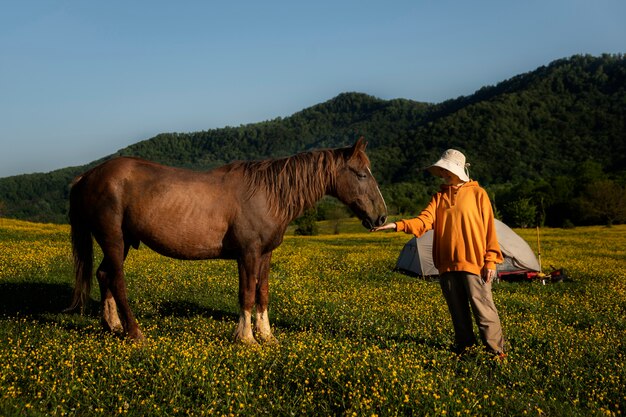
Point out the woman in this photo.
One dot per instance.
(465, 251)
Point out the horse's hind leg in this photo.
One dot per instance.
(113, 291)
(110, 319)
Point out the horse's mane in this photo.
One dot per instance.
(294, 183)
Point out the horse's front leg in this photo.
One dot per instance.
(248, 272)
(263, 329)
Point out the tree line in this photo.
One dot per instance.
(549, 146)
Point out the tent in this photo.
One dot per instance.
(519, 259)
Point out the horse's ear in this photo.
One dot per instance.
(359, 146)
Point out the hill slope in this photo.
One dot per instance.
(532, 127)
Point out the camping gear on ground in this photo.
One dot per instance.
(519, 260)
(558, 275)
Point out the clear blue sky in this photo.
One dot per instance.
(80, 79)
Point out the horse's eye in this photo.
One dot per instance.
(361, 175)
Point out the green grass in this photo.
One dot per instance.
(356, 338)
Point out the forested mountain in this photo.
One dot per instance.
(540, 142)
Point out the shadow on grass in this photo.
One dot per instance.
(41, 298)
(42, 301)
(33, 298)
(47, 303)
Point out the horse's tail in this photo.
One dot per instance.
(82, 248)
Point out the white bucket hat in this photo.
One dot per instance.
(453, 161)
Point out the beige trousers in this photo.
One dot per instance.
(466, 295)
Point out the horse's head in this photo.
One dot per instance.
(356, 187)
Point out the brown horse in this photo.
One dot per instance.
(238, 211)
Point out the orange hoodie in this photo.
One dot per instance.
(465, 233)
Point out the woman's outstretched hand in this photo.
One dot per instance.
(388, 226)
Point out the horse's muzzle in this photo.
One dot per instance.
(371, 223)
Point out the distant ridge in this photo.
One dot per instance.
(532, 127)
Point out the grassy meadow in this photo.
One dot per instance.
(356, 338)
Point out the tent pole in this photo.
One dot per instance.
(543, 279)
(539, 250)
